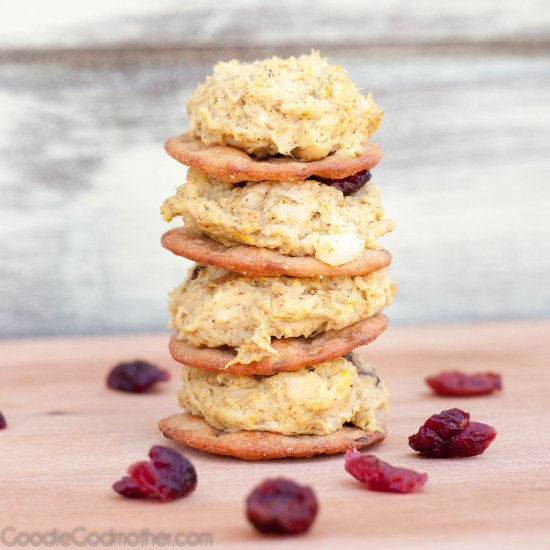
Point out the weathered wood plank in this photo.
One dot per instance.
(252, 23)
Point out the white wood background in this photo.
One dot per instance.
(211, 23)
(87, 96)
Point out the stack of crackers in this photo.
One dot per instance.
(283, 222)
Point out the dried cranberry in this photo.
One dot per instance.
(475, 438)
(281, 506)
(363, 369)
(348, 185)
(167, 476)
(450, 434)
(378, 475)
(135, 376)
(457, 383)
(129, 488)
(196, 270)
(448, 423)
(2, 421)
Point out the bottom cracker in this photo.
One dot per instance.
(193, 431)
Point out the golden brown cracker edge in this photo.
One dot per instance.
(293, 353)
(230, 164)
(193, 431)
(263, 262)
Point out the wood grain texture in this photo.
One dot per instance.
(69, 438)
(162, 23)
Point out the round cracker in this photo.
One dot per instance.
(193, 431)
(233, 165)
(264, 262)
(293, 353)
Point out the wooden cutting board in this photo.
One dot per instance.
(69, 438)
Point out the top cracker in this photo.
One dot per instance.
(279, 119)
(233, 165)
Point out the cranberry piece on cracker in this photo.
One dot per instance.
(3, 423)
(135, 376)
(281, 506)
(450, 434)
(378, 475)
(460, 384)
(167, 476)
(349, 184)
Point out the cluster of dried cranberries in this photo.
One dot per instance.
(450, 434)
(135, 376)
(167, 476)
